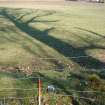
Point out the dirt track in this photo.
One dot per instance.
(39, 4)
(42, 4)
(33, 3)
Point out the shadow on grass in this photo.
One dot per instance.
(92, 32)
(20, 80)
(60, 46)
(59, 83)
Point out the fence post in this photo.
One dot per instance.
(4, 101)
(39, 91)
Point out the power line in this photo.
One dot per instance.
(84, 91)
(19, 97)
(45, 89)
(73, 57)
(17, 89)
(24, 78)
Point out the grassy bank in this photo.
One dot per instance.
(73, 40)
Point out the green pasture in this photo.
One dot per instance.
(29, 35)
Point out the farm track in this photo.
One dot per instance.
(42, 4)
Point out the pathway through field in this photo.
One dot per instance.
(43, 4)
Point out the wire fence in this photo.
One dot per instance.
(48, 97)
(44, 89)
(33, 99)
(51, 97)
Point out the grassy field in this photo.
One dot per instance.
(28, 36)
